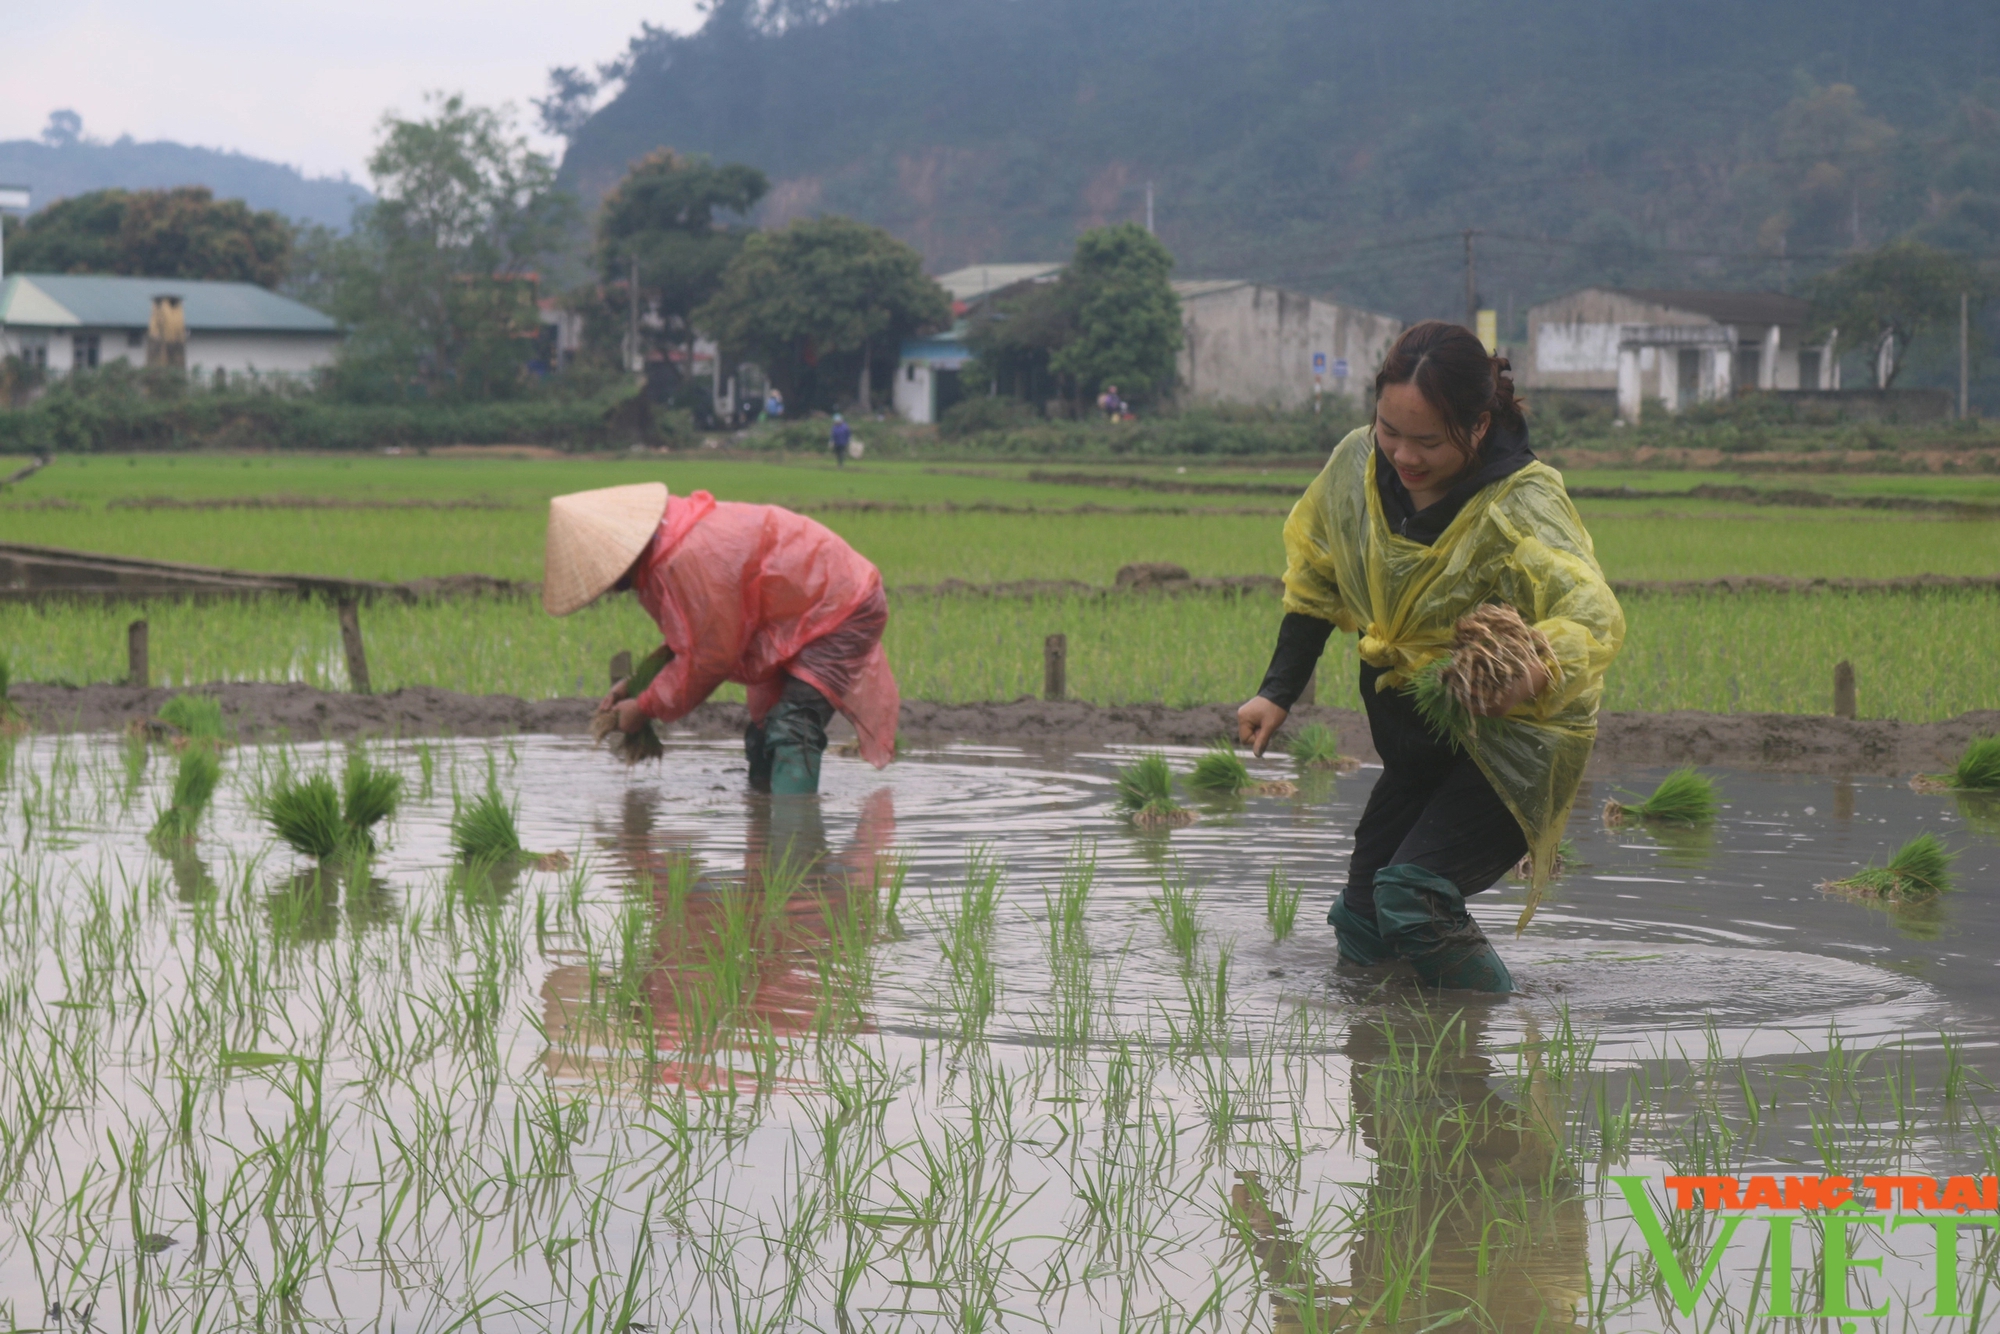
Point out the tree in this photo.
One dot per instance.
(1891, 297)
(817, 300)
(439, 280)
(663, 217)
(1015, 332)
(185, 232)
(1128, 320)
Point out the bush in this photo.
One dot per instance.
(985, 413)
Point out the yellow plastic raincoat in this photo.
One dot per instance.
(1517, 541)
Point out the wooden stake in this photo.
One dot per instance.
(137, 670)
(350, 639)
(621, 665)
(1843, 689)
(1055, 667)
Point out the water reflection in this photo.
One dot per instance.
(312, 905)
(714, 965)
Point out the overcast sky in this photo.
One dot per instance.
(302, 83)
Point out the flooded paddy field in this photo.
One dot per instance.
(952, 1048)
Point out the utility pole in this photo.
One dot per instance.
(1471, 283)
(1149, 208)
(1964, 311)
(632, 359)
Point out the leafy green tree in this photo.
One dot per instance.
(816, 301)
(1889, 298)
(1128, 320)
(439, 280)
(1014, 334)
(185, 232)
(663, 218)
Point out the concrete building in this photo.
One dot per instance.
(1674, 349)
(1245, 343)
(65, 322)
(1242, 343)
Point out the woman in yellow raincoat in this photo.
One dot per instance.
(1438, 508)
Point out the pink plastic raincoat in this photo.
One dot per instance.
(740, 591)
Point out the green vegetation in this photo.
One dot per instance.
(1315, 746)
(185, 232)
(482, 828)
(1684, 797)
(1281, 903)
(194, 785)
(1146, 792)
(1977, 770)
(198, 718)
(322, 821)
(1920, 870)
(1220, 771)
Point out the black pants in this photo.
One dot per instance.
(1430, 808)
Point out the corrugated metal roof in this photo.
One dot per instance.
(102, 301)
(1192, 287)
(976, 280)
(1743, 308)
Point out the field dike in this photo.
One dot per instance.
(1770, 742)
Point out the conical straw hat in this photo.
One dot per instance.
(594, 536)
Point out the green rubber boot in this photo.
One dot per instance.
(795, 732)
(757, 750)
(1423, 919)
(1359, 939)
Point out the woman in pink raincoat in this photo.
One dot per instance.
(748, 593)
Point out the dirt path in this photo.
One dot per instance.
(1765, 741)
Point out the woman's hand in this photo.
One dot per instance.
(631, 718)
(610, 701)
(1256, 722)
(1525, 688)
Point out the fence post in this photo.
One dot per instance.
(350, 639)
(1055, 667)
(1310, 695)
(621, 665)
(1843, 689)
(137, 670)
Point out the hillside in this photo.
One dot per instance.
(58, 170)
(1341, 146)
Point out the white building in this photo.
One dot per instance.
(1675, 349)
(65, 322)
(1242, 343)
(1245, 343)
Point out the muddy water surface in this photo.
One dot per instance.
(243, 1092)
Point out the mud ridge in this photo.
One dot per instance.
(1791, 743)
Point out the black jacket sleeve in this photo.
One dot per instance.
(1301, 641)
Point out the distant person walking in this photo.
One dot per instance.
(842, 438)
(774, 405)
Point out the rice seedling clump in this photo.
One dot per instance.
(1920, 870)
(1683, 797)
(323, 821)
(1221, 772)
(1492, 649)
(483, 828)
(1317, 746)
(194, 785)
(1146, 794)
(1977, 770)
(195, 718)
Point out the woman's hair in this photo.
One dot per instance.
(1451, 368)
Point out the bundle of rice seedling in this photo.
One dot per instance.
(644, 744)
(194, 718)
(1492, 649)
(306, 814)
(1317, 746)
(323, 821)
(1977, 770)
(1146, 794)
(1683, 797)
(194, 784)
(1920, 870)
(10, 717)
(1220, 772)
(483, 828)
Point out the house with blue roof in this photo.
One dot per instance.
(65, 322)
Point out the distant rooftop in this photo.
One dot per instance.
(102, 301)
(976, 280)
(1729, 307)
